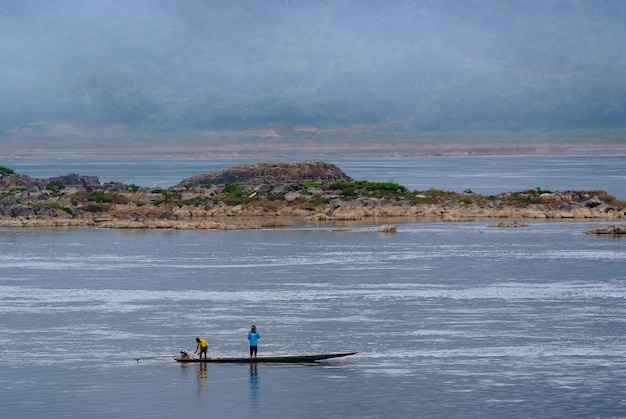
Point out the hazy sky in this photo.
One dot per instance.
(434, 64)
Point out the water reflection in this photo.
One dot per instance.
(202, 375)
(203, 379)
(254, 384)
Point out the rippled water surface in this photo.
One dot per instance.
(450, 320)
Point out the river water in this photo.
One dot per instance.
(455, 320)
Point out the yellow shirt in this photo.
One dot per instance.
(203, 343)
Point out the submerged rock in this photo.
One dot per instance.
(610, 230)
(513, 224)
(387, 228)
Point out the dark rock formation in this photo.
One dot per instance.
(87, 183)
(271, 173)
(19, 181)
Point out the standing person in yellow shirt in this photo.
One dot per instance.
(201, 347)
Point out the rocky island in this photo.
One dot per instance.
(267, 195)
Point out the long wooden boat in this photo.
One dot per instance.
(291, 359)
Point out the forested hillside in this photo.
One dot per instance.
(425, 65)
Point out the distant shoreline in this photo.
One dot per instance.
(289, 150)
(305, 142)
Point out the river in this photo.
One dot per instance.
(455, 320)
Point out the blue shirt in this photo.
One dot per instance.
(252, 337)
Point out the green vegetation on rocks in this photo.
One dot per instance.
(26, 201)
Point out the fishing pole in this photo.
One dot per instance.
(156, 357)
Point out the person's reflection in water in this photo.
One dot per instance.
(203, 378)
(254, 384)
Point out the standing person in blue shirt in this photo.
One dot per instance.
(253, 337)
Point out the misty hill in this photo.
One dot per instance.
(425, 65)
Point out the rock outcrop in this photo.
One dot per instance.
(275, 195)
(271, 174)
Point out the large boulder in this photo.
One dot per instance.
(271, 174)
